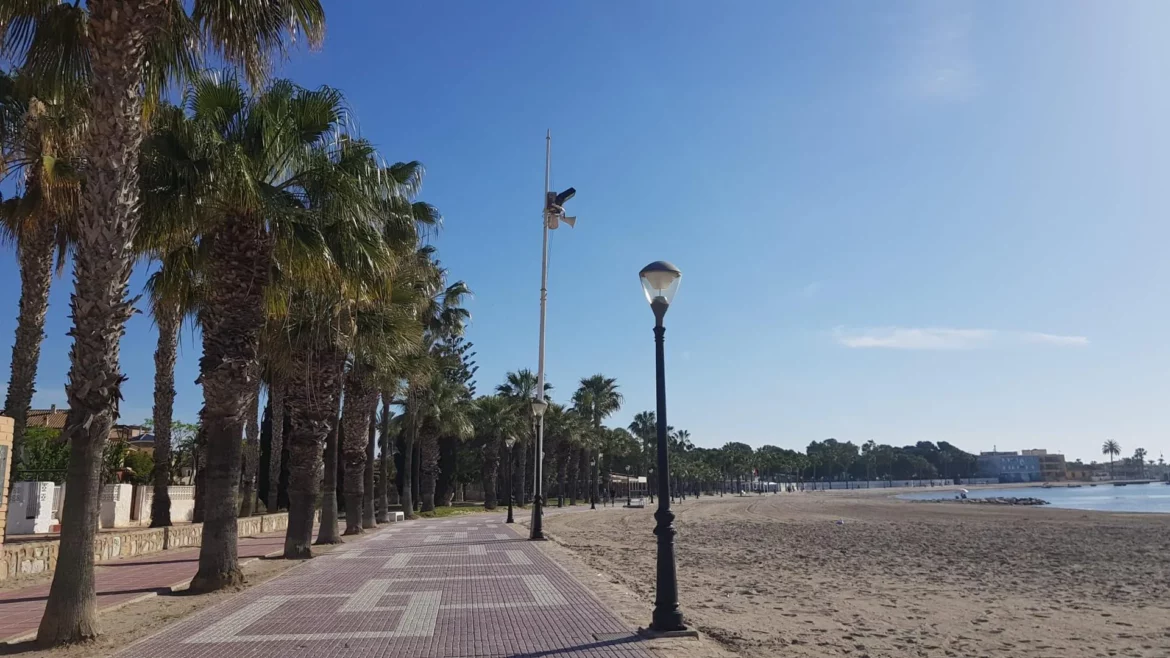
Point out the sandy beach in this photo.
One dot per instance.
(862, 574)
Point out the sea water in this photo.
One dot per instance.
(1104, 497)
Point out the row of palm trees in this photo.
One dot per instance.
(270, 224)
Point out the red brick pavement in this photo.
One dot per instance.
(121, 581)
(455, 588)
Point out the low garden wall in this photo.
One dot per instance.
(32, 557)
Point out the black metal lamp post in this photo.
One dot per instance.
(593, 484)
(509, 442)
(650, 484)
(601, 493)
(539, 405)
(629, 494)
(660, 281)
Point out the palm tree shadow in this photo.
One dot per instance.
(615, 643)
(18, 648)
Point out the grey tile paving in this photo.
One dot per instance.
(455, 588)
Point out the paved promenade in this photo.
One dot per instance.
(119, 582)
(463, 587)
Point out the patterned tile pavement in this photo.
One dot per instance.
(120, 581)
(453, 588)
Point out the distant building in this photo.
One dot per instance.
(1052, 466)
(1009, 467)
(1079, 470)
(55, 418)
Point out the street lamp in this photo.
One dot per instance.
(539, 406)
(660, 282)
(649, 486)
(509, 442)
(597, 480)
(593, 485)
(628, 493)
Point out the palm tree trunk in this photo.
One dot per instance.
(238, 271)
(368, 520)
(167, 317)
(327, 531)
(251, 456)
(406, 500)
(428, 468)
(200, 460)
(311, 392)
(35, 251)
(382, 490)
(276, 443)
(361, 398)
(103, 260)
(491, 465)
(448, 464)
(415, 478)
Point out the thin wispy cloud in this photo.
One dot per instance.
(937, 338)
(941, 64)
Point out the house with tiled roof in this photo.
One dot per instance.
(54, 418)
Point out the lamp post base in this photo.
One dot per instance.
(537, 531)
(652, 634)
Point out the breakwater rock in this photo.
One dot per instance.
(998, 500)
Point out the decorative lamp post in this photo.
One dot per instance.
(649, 485)
(593, 484)
(597, 480)
(660, 282)
(629, 494)
(509, 442)
(539, 406)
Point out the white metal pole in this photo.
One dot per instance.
(538, 484)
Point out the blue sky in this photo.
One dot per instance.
(901, 221)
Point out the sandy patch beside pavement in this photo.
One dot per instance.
(779, 575)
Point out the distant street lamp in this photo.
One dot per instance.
(509, 442)
(593, 485)
(660, 282)
(597, 480)
(649, 479)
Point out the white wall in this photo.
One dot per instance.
(116, 500)
(30, 508)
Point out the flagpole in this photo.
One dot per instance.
(537, 525)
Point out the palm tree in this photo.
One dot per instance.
(258, 164)
(384, 331)
(562, 429)
(494, 419)
(385, 321)
(1111, 448)
(173, 291)
(385, 448)
(36, 142)
(1139, 457)
(645, 428)
(114, 54)
(276, 383)
(596, 398)
(519, 388)
(447, 413)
